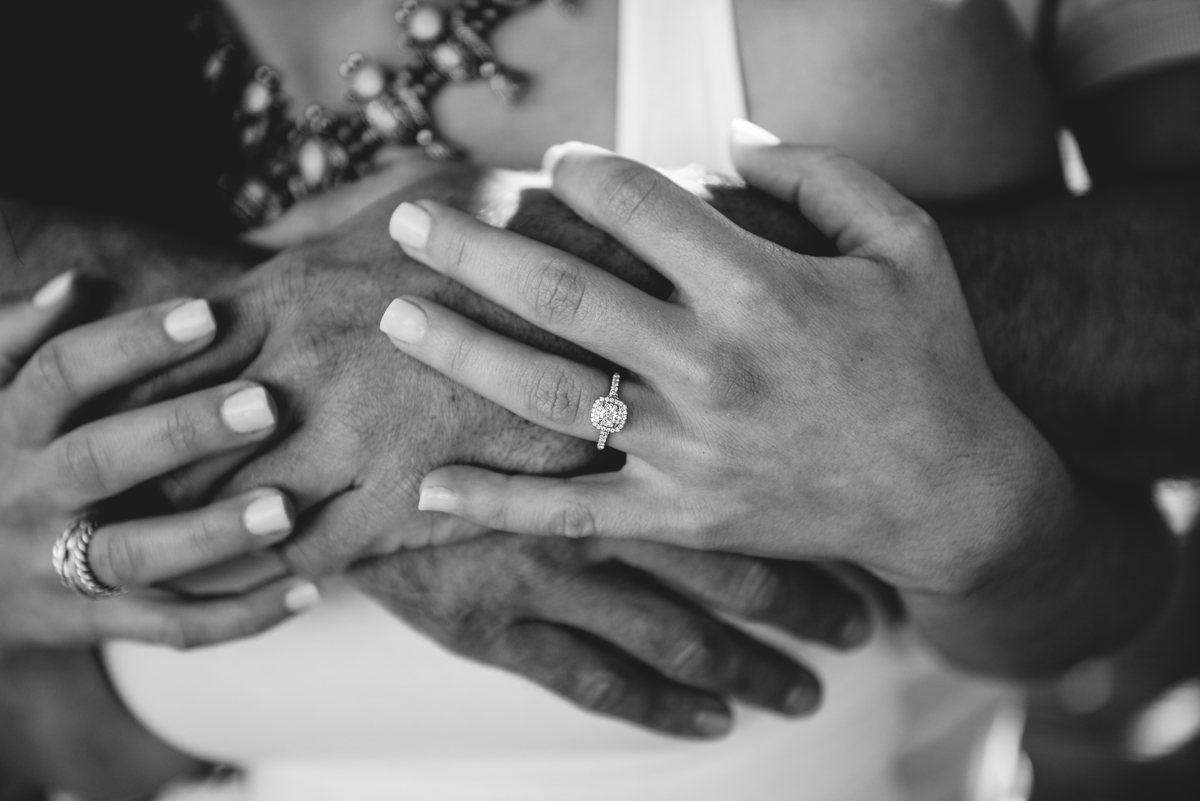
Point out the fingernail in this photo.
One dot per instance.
(439, 499)
(712, 723)
(553, 155)
(54, 291)
(404, 321)
(410, 225)
(267, 515)
(855, 630)
(248, 410)
(189, 322)
(303, 595)
(744, 132)
(800, 699)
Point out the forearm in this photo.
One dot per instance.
(1086, 310)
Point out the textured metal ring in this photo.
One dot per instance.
(609, 413)
(70, 558)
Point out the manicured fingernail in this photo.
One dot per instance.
(744, 132)
(267, 515)
(303, 595)
(410, 225)
(855, 630)
(800, 699)
(189, 322)
(712, 722)
(248, 410)
(553, 155)
(404, 321)
(439, 499)
(55, 291)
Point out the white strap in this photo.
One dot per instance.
(679, 82)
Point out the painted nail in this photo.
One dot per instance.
(190, 321)
(801, 699)
(267, 515)
(439, 499)
(303, 595)
(553, 155)
(404, 321)
(55, 291)
(746, 133)
(248, 410)
(712, 722)
(410, 225)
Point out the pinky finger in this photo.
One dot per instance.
(606, 504)
(188, 623)
(24, 327)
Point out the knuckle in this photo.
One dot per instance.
(627, 191)
(81, 466)
(181, 431)
(556, 291)
(597, 690)
(695, 655)
(576, 520)
(55, 371)
(453, 245)
(556, 397)
(755, 589)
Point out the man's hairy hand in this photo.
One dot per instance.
(363, 423)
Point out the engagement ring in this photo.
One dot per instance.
(609, 413)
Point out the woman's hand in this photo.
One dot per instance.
(53, 469)
(779, 404)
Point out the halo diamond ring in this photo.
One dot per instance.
(609, 413)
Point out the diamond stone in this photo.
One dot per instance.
(609, 414)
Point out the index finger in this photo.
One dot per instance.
(25, 326)
(667, 226)
(846, 201)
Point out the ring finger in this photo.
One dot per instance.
(139, 553)
(551, 391)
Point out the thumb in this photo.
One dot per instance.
(846, 201)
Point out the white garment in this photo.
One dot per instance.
(347, 703)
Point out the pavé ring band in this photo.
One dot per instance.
(609, 413)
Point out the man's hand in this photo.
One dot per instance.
(621, 628)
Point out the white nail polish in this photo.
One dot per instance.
(303, 595)
(553, 155)
(744, 132)
(267, 515)
(248, 410)
(190, 321)
(439, 499)
(410, 225)
(55, 291)
(404, 321)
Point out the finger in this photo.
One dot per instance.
(551, 289)
(684, 643)
(199, 482)
(797, 597)
(667, 226)
(139, 553)
(25, 326)
(84, 362)
(609, 504)
(184, 623)
(109, 456)
(608, 683)
(548, 390)
(845, 200)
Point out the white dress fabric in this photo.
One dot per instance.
(345, 702)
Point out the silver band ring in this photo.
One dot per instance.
(609, 413)
(70, 558)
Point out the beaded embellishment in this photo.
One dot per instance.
(281, 159)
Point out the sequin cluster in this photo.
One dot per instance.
(282, 159)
